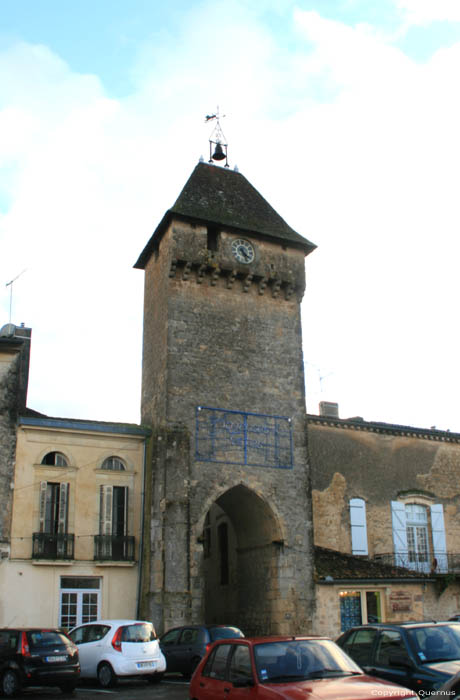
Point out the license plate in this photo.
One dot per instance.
(55, 659)
(146, 664)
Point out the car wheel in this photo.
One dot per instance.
(67, 687)
(106, 675)
(155, 677)
(10, 683)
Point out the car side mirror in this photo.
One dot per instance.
(243, 683)
(400, 660)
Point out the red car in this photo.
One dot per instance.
(300, 668)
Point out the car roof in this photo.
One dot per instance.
(114, 623)
(407, 624)
(273, 639)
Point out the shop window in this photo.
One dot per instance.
(360, 608)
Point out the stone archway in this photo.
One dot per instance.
(243, 554)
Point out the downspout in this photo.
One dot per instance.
(141, 538)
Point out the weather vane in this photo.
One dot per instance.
(217, 139)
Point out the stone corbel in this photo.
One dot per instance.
(289, 291)
(262, 285)
(215, 276)
(200, 274)
(231, 278)
(276, 287)
(172, 269)
(187, 270)
(247, 282)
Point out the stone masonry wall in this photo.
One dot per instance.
(9, 382)
(233, 343)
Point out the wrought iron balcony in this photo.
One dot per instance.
(52, 546)
(113, 548)
(448, 563)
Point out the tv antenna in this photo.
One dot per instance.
(10, 285)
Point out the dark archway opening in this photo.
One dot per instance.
(242, 550)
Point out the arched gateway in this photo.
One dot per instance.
(243, 561)
(227, 499)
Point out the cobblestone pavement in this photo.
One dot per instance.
(169, 689)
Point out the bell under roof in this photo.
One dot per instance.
(222, 197)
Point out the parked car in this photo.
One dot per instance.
(184, 647)
(455, 618)
(419, 655)
(112, 648)
(30, 656)
(285, 667)
(450, 689)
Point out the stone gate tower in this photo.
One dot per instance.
(228, 534)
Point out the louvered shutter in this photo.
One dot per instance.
(63, 508)
(398, 518)
(105, 510)
(42, 505)
(358, 526)
(125, 516)
(439, 537)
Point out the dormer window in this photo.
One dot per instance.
(55, 459)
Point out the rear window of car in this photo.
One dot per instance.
(45, 638)
(225, 633)
(8, 640)
(142, 632)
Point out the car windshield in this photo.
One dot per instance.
(436, 643)
(297, 659)
(46, 638)
(225, 633)
(141, 632)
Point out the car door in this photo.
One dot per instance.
(360, 646)
(390, 644)
(213, 683)
(169, 645)
(186, 649)
(89, 640)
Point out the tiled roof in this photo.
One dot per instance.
(224, 197)
(387, 428)
(331, 565)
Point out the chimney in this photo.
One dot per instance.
(329, 409)
(26, 335)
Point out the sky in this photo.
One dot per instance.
(344, 114)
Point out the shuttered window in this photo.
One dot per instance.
(358, 526)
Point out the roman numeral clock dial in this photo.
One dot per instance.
(243, 251)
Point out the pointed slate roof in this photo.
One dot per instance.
(219, 196)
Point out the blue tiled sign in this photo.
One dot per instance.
(251, 439)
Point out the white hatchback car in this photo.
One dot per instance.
(112, 648)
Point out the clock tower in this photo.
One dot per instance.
(228, 526)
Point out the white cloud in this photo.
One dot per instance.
(424, 12)
(352, 142)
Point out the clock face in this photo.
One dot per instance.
(243, 251)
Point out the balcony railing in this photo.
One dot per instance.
(448, 563)
(113, 548)
(52, 546)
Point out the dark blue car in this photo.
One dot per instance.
(184, 647)
(418, 655)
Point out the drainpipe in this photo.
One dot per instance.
(141, 538)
